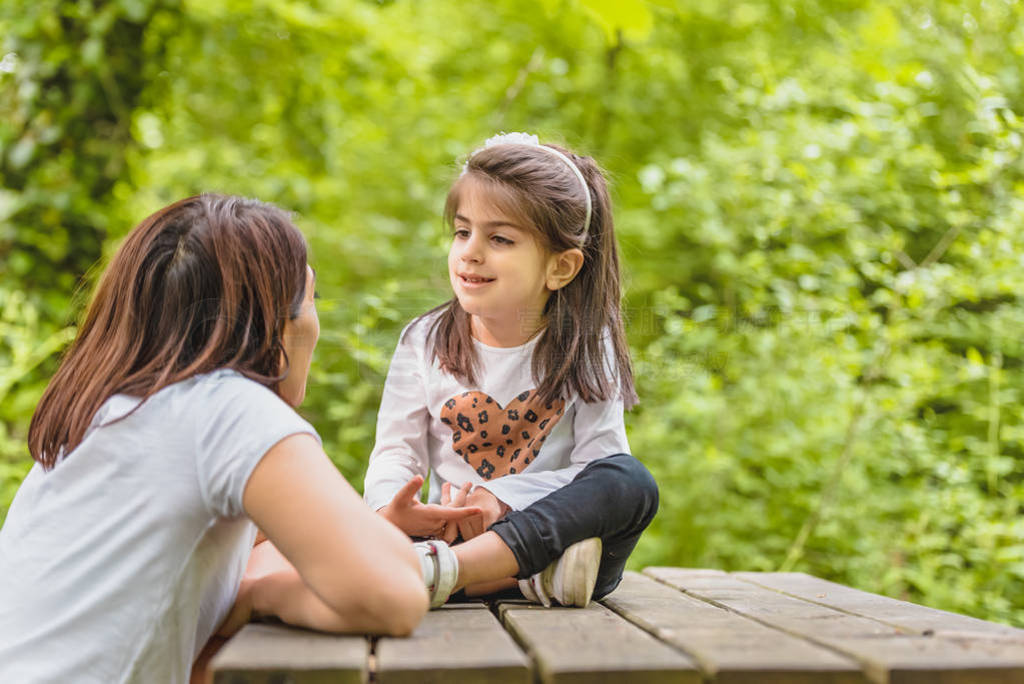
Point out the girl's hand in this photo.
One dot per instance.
(422, 520)
(451, 532)
(492, 509)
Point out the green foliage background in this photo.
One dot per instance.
(819, 203)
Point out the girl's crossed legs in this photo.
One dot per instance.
(614, 498)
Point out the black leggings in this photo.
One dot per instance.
(614, 498)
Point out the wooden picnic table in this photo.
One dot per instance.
(662, 625)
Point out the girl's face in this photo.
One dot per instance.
(300, 336)
(499, 271)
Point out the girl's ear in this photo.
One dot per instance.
(563, 267)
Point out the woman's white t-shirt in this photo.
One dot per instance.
(119, 563)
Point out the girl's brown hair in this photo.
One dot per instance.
(583, 318)
(203, 284)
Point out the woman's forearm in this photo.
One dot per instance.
(285, 595)
(351, 572)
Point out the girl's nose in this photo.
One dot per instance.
(471, 250)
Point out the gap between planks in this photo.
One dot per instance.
(593, 644)
(461, 642)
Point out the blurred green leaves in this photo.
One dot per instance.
(74, 73)
(26, 342)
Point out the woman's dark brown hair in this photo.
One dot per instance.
(583, 318)
(205, 283)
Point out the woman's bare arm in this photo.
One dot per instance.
(353, 571)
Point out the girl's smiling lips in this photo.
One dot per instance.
(470, 280)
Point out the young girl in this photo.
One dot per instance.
(167, 432)
(514, 390)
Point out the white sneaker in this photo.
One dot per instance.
(568, 581)
(440, 569)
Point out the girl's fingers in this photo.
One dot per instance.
(459, 499)
(408, 491)
(446, 493)
(441, 514)
(470, 527)
(453, 514)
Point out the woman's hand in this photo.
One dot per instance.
(423, 520)
(264, 559)
(241, 613)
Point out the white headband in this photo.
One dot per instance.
(532, 141)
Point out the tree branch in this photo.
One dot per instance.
(796, 549)
(940, 247)
(512, 92)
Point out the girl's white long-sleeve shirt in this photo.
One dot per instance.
(495, 434)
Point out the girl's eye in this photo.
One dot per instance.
(502, 240)
(461, 233)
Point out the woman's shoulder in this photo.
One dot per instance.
(207, 395)
(228, 377)
(231, 387)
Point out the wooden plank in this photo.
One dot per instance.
(731, 649)
(593, 644)
(459, 642)
(909, 616)
(273, 653)
(888, 654)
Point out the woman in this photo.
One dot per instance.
(166, 437)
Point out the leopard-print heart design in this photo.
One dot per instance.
(499, 441)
